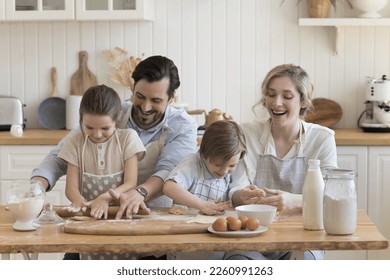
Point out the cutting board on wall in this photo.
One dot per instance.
(83, 78)
(326, 112)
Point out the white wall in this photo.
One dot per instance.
(223, 49)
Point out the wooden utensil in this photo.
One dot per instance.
(326, 112)
(83, 78)
(133, 227)
(51, 112)
(112, 210)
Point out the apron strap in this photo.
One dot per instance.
(120, 149)
(125, 118)
(82, 165)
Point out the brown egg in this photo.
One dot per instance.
(233, 223)
(220, 224)
(243, 220)
(252, 224)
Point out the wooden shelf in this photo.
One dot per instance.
(340, 23)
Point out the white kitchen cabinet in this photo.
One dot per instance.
(379, 194)
(16, 163)
(2, 10)
(115, 10)
(353, 158)
(25, 10)
(37, 10)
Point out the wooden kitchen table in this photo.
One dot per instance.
(286, 233)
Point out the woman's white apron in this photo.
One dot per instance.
(282, 174)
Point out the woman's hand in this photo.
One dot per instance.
(281, 199)
(248, 195)
(215, 207)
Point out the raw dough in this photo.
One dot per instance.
(178, 209)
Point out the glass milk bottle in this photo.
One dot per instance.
(340, 202)
(312, 197)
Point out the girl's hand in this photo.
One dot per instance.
(215, 207)
(99, 207)
(77, 206)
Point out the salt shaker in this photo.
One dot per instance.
(340, 202)
(16, 130)
(312, 197)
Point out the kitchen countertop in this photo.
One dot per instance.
(356, 137)
(344, 137)
(34, 137)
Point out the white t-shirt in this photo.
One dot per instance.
(318, 142)
(103, 158)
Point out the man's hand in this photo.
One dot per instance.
(130, 201)
(43, 180)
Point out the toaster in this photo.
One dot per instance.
(11, 112)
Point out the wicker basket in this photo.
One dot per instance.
(318, 8)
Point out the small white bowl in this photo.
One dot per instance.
(264, 213)
(370, 8)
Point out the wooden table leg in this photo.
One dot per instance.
(27, 256)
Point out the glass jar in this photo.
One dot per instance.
(340, 202)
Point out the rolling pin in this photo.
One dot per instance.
(112, 210)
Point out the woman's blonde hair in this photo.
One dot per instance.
(222, 140)
(298, 77)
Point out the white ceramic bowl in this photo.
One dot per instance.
(265, 213)
(370, 8)
(25, 201)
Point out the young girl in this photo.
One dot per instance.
(202, 180)
(100, 156)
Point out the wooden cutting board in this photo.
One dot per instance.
(326, 112)
(83, 78)
(158, 222)
(133, 227)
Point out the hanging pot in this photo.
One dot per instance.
(51, 112)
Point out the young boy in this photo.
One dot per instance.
(202, 180)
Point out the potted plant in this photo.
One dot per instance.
(321, 8)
